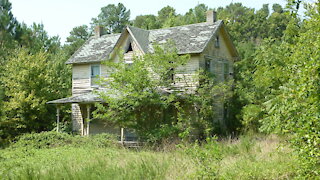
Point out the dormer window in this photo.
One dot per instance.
(217, 42)
(95, 73)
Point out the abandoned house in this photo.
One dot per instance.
(208, 44)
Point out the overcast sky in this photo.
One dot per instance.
(60, 16)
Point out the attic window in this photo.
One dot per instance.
(217, 42)
(129, 48)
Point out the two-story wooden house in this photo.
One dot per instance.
(208, 44)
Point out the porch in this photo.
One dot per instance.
(82, 120)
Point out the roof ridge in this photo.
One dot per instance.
(209, 23)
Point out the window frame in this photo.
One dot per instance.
(217, 42)
(94, 77)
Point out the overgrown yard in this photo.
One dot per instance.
(54, 156)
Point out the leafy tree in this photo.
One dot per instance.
(239, 20)
(113, 18)
(165, 13)
(277, 8)
(8, 23)
(36, 38)
(196, 15)
(282, 90)
(143, 96)
(77, 37)
(146, 22)
(167, 17)
(31, 80)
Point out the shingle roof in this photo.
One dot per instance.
(142, 36)
(191, 38)
(84, 98)
(95, 49)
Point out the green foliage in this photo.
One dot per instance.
(29, 82)
(136, 98)
(144, 96)
(35, 39)
(7, 26)
(166, 16)
(146, 22)
(113, 18)
(245, 24)
(76, 39)
(282, 91)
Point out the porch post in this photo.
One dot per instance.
(88, 119)
(58, 117)
(122, 136)
(82, 127)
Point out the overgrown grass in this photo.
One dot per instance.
(33, 157)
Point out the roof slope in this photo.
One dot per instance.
(94, 49)
(83, 98)
(191, 38)
(142, 37)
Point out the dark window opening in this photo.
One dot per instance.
(217, 42)
(129, 48)
(207, 64)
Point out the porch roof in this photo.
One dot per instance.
(83, 99)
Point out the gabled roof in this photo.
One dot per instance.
(188, 39)
(141, 36)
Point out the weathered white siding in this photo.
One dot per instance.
(218, 57)
(81, 82)
(186, 76)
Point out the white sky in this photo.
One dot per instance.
(60, 16)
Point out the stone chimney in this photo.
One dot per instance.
(98, 31)
(211, 16)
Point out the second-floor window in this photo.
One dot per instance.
(95, 73)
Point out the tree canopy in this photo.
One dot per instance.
(113, 18)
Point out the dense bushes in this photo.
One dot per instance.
(158, 98)
(282, 88)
